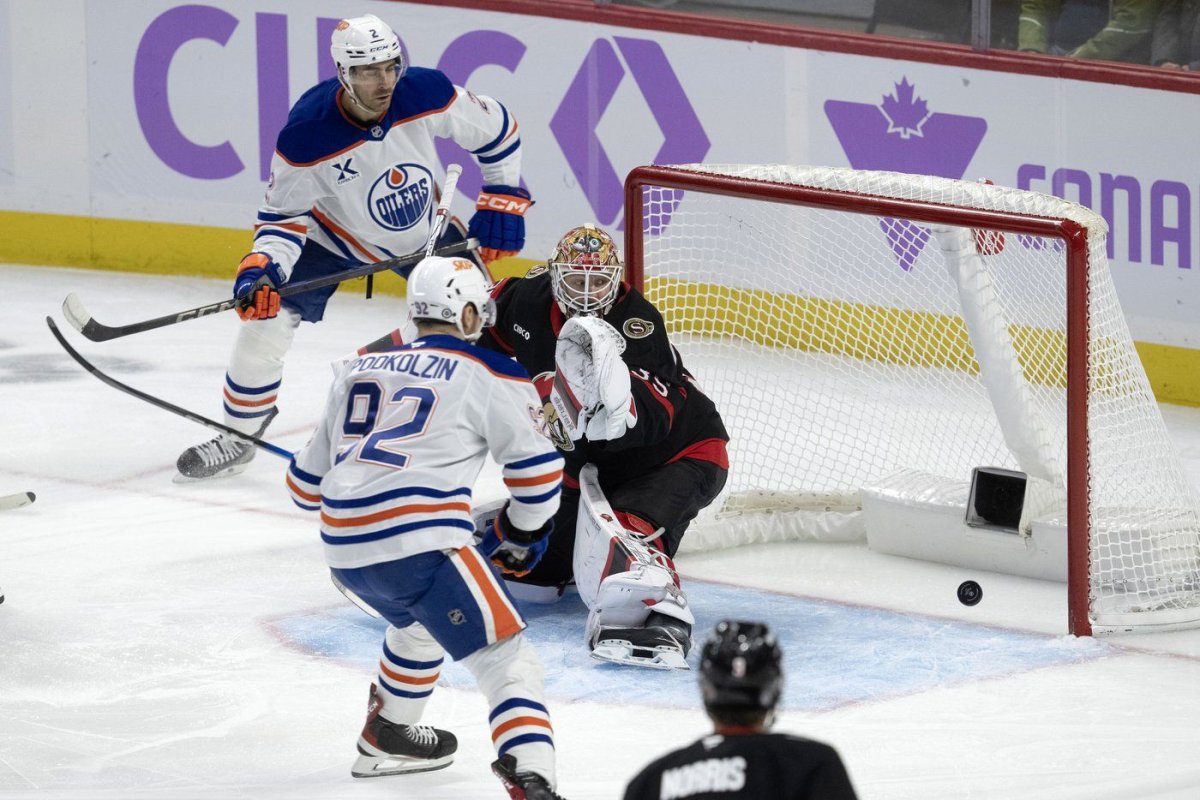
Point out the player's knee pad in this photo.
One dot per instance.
(260, 347)
(413, 643)
(408, 668)
(507, 663)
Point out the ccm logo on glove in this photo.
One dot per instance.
(506, 203)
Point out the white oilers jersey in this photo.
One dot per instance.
(405, 434)
(368, 193)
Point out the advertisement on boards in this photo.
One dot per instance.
(183, 102)
(210, 85)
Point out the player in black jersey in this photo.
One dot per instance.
(657, 441)
(741, 679)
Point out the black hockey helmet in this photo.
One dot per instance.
(741, 667)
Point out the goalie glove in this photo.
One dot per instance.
(513, 550)
(591, 389)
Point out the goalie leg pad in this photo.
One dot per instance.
(637, 612)
(625, 598)
(605, 550)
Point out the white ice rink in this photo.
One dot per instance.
(183, 641)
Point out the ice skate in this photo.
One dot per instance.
(662, 643)
(391, 748)
(224, 455)
(522, 785)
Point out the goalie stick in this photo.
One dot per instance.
(163, 404)
(353, 598)
(16, 500)
(81, 319)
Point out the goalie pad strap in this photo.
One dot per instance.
(619, 577)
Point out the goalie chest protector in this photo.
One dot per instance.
(528, 321)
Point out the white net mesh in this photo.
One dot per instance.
(840, 350)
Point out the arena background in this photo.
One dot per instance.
(143, 144)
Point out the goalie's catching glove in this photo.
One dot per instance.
(499, 221)
(592, 389)
(513, 550)
(258, 278)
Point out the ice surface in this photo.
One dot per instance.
(168, 641)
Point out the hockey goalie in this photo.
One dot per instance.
(645, 449)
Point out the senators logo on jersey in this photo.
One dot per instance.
(555, 426)
(637, 328)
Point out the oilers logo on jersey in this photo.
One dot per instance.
(400, 197)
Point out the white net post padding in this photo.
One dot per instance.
(852, 325)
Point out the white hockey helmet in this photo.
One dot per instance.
(359, 41)
(585, 271)
(440, 288)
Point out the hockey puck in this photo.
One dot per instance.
(969, 593)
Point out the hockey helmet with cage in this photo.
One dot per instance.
(360, 41)
(585, 271)
(440, 288)
(741, 668)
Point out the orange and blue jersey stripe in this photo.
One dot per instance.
(519, 721)
(304, 487)
(500, 617)
(248, 402)
(406, 678)
(381, 516)
(535, 482)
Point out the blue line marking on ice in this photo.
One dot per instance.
(834, 654)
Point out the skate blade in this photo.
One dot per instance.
(237, 469)
(381, 766)
(618, 651)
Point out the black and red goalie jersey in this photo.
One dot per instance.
(675, 420)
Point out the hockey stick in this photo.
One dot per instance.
(16, 500)
(353, 598)
(163, 404)
(81, 319)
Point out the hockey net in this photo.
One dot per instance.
(861, 327)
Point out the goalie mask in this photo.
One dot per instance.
(585, 272)
(740, 669)
(362, 42)
(440, 288)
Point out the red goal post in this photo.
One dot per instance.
(832, 283)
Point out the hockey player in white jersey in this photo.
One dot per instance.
(354, 181)
(391, 468)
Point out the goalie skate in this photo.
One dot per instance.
(662, 644)
(216, 458)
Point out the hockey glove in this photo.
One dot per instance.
(513, 550)
(591, 383)
(499, 221)
(258, 277)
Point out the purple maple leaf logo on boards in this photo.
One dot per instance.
(901, 134)
(905, 113)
